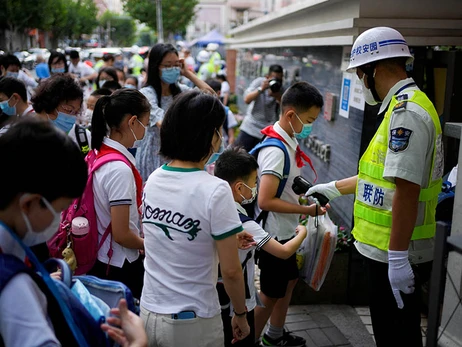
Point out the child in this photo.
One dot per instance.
(91, 102)
(30, 207)
(239, 169)
(300, 104)
(117, 187)
(230, 123)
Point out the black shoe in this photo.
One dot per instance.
(287, 339)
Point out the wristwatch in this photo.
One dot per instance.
(259, 90)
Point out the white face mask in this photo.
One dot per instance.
(89, 114)
(137, 142)
(33, 238)
(368, 96)
(254, 195)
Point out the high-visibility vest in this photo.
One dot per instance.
(374, 194)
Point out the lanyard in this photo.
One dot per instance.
(51, 286)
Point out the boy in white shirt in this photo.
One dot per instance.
(239, 169)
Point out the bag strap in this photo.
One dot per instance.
(82, 139)
(274, 142)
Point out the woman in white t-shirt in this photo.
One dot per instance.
(189, 218)
(119, 122)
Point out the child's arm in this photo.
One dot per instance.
(231, 136)
(286, 250)
(121, 233)
(268, 201)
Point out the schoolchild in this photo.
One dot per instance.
(239, 169)
(300, 104)
(119, 122)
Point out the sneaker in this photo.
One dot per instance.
(287, 339)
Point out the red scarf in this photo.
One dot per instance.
(300, 156)
(105, 149)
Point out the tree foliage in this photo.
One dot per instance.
(124, 28)
(177, 14)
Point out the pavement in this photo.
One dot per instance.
(328, 325)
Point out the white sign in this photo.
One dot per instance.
(356, 93)
(344, 102)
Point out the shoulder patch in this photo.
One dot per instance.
(400, 106)
(399, 139)
(402, 97)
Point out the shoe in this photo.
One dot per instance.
(287, 339)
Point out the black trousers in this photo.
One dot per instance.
(249, 341)
(247, 141)
(394, 327)
(130, 274)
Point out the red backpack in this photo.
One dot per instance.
(86, 247)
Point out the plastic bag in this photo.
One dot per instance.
(98, 309)
(317, 250)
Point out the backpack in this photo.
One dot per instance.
(72, 323)
(269, 142)
(82, 139)
(85, 247)
(222, 295)
(445, 207)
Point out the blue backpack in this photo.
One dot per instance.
(269, 142)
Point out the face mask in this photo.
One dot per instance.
(213, 158)
(7, 109)
(57, 69)
(12, 74)
(33, 238)
(129, 86)
(306, 129)
(89, 114)
(368, 96)
(254, 195)
(170, 75)
(137, 142)
(64, 121)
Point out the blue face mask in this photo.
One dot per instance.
(170, 75)
(64, 121)
(306, 130)
(129, 86)
(7, 109)
(213, 158)
(12, 74)
(57, 69)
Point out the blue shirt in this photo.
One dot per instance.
(42, 70)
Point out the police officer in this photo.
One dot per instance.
(396, 188)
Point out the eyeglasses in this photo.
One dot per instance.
(69, 110)
(171, 66)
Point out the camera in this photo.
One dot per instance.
(301, 186)
(275, 85)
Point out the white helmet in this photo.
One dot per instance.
(377, 44)
(134, 49)
(212, 47)
(203, 56)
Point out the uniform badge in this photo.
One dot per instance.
(402, 97)
(400, 106)
(399, 139)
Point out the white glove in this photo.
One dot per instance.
(400, 275)
(329, 190)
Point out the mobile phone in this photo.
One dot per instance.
(184, 315)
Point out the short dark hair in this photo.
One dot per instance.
(74, 54)
(214, 84)
(301, 96)
(276, 68)
(189, 125)
(222, 77)
(101, 92)
(235, 164)
(111, 85)
(10, 59)
(54, 90)
(59, 171)
(60, 56)
(112, 109)
(108, 70)
(108, 56)
(131, 77)
(10, 85)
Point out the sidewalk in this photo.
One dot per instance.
(328, 325)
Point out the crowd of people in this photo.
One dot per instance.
(176, 218)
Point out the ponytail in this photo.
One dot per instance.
(98, 122)
(111, 110)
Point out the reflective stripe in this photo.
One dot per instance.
(370, 169)
(431, 192)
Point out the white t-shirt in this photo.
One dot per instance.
(114, 185)
(271, 162)
(24, 319)
(261, 237)
(225, 88)
(81, 70)
(184, 212)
